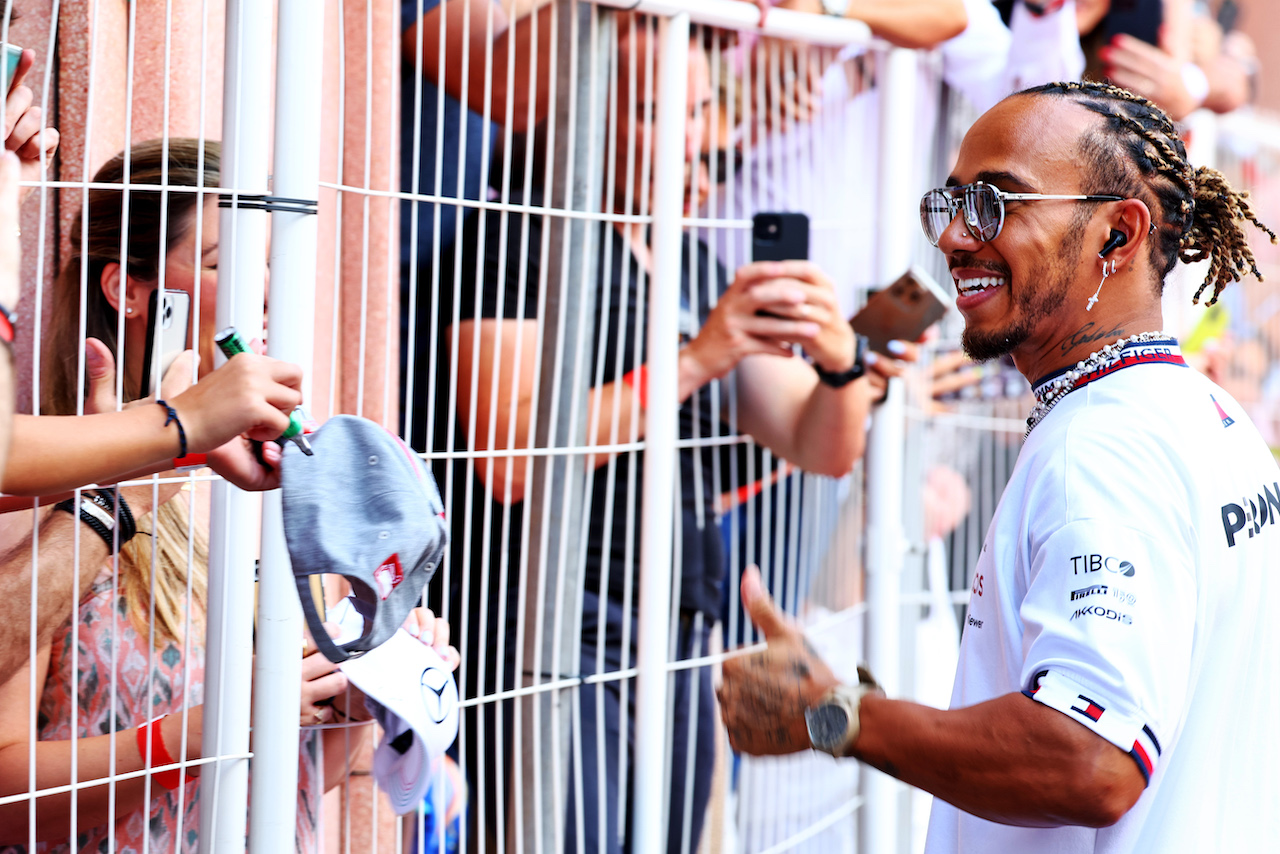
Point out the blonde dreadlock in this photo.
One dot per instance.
(1197, 214)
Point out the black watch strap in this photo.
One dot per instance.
(843, 378)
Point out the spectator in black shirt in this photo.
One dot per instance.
(743, 331)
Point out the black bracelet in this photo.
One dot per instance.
(173, 418)
(110, 500)
(89, 519)
(859, 367)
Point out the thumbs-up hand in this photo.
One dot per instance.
(763, 696)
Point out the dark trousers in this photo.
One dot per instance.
(691, 728)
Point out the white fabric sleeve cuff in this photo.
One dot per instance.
(1132, 735)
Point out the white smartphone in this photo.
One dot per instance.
(167, 334)
(902, 311)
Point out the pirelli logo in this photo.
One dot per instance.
(1095, 590)
(1251, 515)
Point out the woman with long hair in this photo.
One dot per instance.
(127, 670)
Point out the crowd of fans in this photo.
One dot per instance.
(473, 279)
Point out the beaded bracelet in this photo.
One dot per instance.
(110, 500)
(172, 418)
(92, 514)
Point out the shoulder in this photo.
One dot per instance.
(1106, 450)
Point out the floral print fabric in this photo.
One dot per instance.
(147, 682)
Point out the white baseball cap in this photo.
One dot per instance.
(411, 693)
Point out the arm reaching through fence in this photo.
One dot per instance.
(249, 397)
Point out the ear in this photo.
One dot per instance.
(1132, 219)
(117, 287)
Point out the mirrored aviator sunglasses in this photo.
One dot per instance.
(980, 204)
(983, 208)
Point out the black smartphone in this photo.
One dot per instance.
(1141, 19)
(902, 311)
(1228, 14)
(168, 317)
(780, 237)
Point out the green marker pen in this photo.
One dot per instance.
(231, 344)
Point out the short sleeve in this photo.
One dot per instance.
(1109, 618)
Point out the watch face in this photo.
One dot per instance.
(827, 726)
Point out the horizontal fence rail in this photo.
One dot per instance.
(509, 233)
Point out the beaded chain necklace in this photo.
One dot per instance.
(1048, 395)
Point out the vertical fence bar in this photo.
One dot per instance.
(556, 506)
(278, 666)
(241, 273)
(660, 425)
(886, 542)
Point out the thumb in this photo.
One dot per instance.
(177, 378)
(759, 605)
(100, 377)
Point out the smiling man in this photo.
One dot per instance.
(1116, 688)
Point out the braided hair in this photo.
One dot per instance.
(1137, 153)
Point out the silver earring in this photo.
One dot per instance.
(1094, 299)
(130, 311)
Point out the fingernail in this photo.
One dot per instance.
(897, 348)
(92, 358)
(870, 358)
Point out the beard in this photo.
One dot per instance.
(1031, 304)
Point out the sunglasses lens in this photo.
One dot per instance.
(982, 211)
(936, 213)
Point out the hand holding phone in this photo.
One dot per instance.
(12, 56)
(902, 311)
(24, 121)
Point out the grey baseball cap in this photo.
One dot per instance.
(365, 507)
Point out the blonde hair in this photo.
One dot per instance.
(151, 213)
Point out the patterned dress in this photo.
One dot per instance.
(147, 683)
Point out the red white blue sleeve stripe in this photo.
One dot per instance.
(1132, 735)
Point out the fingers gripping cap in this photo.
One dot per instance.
(365, 507)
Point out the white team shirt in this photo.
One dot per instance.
(1130, 579)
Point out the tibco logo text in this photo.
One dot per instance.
(1249, 515)
(1082, 564)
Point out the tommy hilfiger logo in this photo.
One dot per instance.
(1227, 420)
(1091, 710)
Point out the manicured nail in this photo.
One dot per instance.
(870, 358)
(897, 348)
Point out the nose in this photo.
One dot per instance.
(957, 237)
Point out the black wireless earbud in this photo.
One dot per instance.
(1116, 240)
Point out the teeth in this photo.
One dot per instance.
(980, 283)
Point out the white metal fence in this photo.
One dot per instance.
(488, 280)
